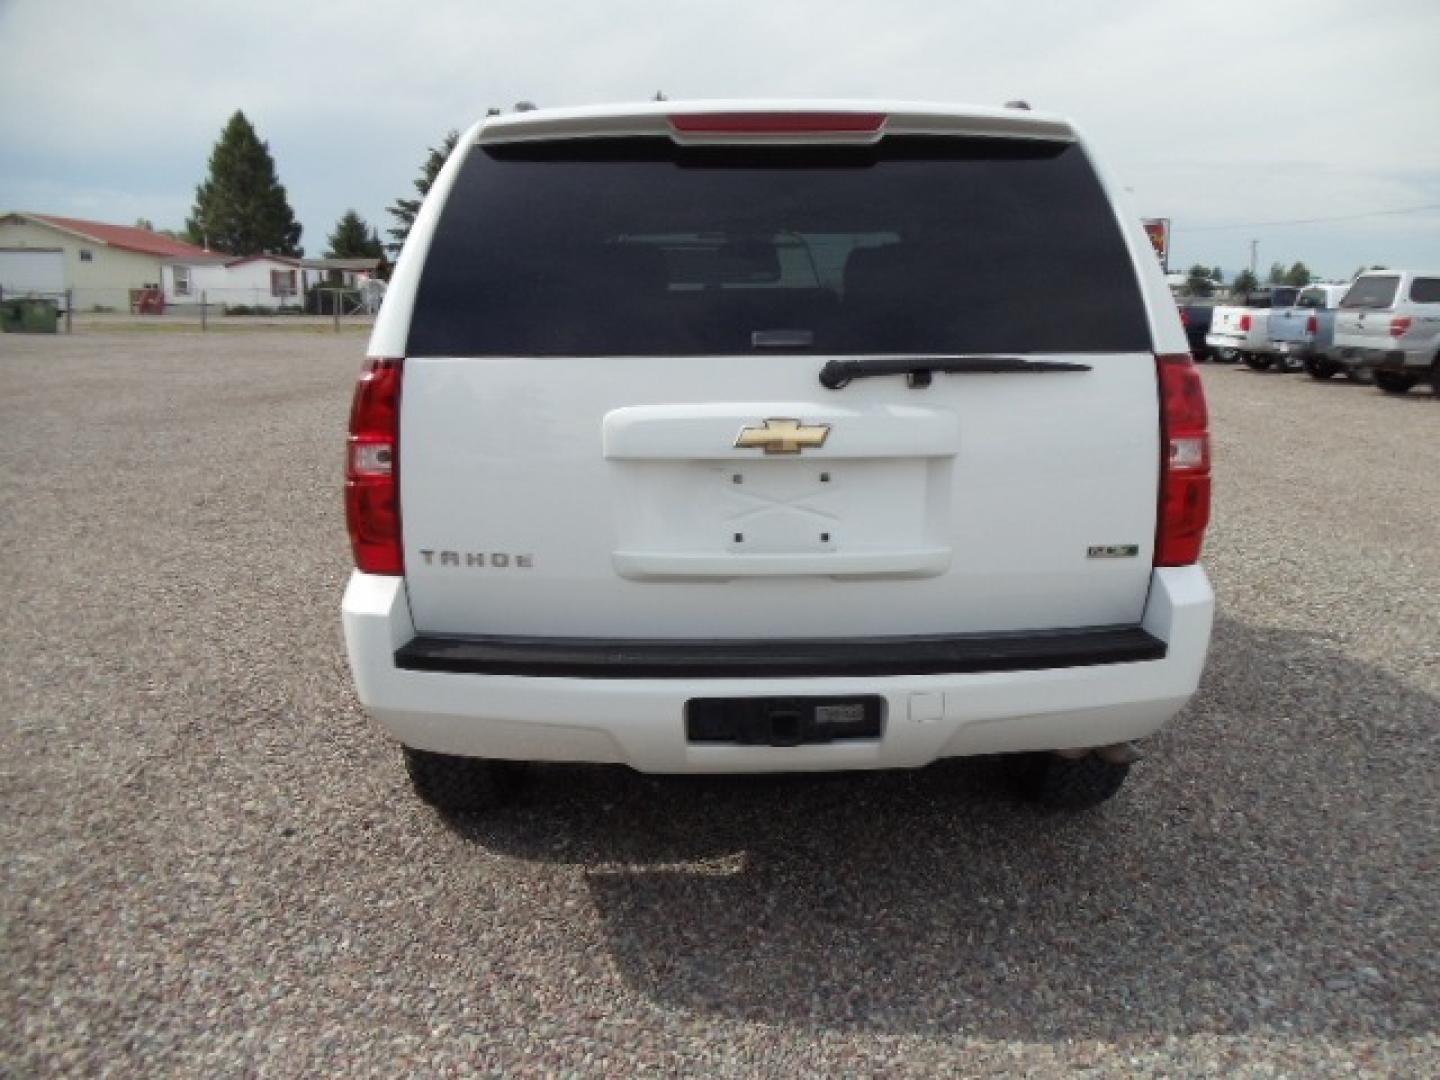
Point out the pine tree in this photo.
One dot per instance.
(241, 208)
(1299, 274)
(404, 210)
(1245, 282)
(354, 239)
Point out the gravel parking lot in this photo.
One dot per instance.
(212, 862)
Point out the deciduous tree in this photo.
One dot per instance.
(1198, 282)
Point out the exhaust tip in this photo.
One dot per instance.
(1125, 753)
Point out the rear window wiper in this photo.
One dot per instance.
(918, 369)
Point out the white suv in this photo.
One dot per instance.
(776, 437)
(1389, 321)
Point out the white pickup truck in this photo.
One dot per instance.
(774, 437)
(1241, 331)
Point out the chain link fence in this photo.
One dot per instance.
(336, 305)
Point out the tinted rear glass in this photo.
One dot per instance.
(1272, 298)
(640, 247)
(1371, 292)
(1425, 290)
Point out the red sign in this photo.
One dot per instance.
(1158, 229)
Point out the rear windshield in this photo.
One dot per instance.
(1371, 292)
(1272, 298)
(640, 247)
(1312, 298)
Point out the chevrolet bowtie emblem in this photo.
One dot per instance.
(782, 436)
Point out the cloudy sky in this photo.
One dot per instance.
(1227, 117)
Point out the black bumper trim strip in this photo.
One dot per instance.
(728, 658)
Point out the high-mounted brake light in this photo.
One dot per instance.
(1184, 511)
(1400, 325)
(372, 478)
(778, 123)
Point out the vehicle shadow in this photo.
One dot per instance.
(1418, 392)
(1271, 864)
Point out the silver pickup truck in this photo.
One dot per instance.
(1304, 335)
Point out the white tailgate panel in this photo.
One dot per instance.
(688, 506)
(967, 506)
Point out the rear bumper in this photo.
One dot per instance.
(640, 721)
(1299, 349)
(814, 658)
(1399, 360)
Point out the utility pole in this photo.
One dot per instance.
(1254, 249)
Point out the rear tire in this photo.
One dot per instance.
(1256, 363)
(1321, 368)
(1394, 382)
(1067, 783)
(461, 785)
(1435, 377)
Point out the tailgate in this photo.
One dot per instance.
(1289, 325)
(1362, 329)
(1226, 322)
(612, 501)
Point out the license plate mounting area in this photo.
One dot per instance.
(783, 721)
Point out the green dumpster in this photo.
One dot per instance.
(9, 315)
(29, 315)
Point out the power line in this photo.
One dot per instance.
(1312, 221)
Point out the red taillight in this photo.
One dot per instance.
(1245, 323)
(1185, 464)
(1400, 325)
(1312, 325)
(372, 478)
(778, 123)
(1184, 317)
